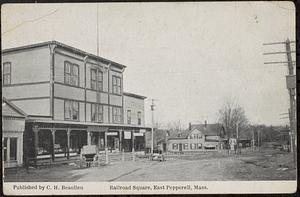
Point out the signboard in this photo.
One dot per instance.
(291, 81)
(112, 133)
(138, 134)
(97, 128)
(212, 138)
(127, 135)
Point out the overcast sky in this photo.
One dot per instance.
(188, 56)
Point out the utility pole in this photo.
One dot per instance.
(291, 86)
(291, 89)
(152, 129)
(97, 29)
(253, 139)
(237, 137)
(258, 139)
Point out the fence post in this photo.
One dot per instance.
(123, 156)
(133, 155)
(106, 156)
(98, 159)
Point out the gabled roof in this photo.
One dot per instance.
(11, 110)
(62, 45)
(209, 129)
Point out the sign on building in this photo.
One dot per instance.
(112, 133)
(127, 135)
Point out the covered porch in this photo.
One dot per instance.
(56, 141)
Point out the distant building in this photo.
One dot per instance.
(197, 137)
(72, 98)
(13, 126)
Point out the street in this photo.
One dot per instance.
(263, 165)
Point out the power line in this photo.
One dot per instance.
(30, 21)
(273, 43)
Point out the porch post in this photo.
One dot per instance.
(88, 138)
(132, 142)
(105, 145)
(53, 143)
(105, 139)
(8, 150)
(68, 142)
(99, 140)
(120, 141)
(35, 130)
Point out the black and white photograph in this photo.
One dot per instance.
(149, 98)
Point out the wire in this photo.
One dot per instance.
(30, 21)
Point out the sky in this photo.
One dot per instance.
(189, 56)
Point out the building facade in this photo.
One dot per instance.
(13, 125)
(72, 99)
(198, 137)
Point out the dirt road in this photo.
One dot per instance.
(264, 165)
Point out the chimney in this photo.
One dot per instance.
(205, 123)
(190, 126)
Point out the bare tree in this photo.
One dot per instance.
(175, 126)
(232, 114)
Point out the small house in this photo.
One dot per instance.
(197, 137)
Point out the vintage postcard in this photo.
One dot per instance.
(149, 98)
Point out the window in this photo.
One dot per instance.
(116, 82)
(193, 146)
(128, 117)
(96, 79)
(199, 146)
(139, 116)
(175, 146)
(13, 149)
(97, 113)
(71, 74)
(185, 146)
(117, 115)
(5, 148)
(6, 79)
(71, 110)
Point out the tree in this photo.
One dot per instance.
(231, 115)
(175, 126)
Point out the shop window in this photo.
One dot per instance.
(13, 149)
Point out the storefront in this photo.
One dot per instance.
(55, 139)
(13, 125)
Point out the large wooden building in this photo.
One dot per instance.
(72, 98)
